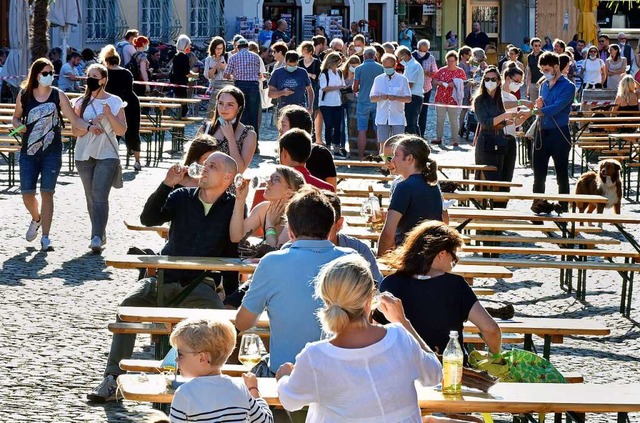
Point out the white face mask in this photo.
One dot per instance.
(352, 69)
(515, 86)
(357, 49)
(45, 81)
(490, 85)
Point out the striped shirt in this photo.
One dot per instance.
(217, 399)
(244, 66)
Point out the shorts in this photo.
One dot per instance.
(364, 112)
(47, 165)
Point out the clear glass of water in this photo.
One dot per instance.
(195, 170)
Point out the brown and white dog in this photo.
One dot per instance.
(606, 182)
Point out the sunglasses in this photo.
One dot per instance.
(494, 79)
(454, 258)
(46, 73)
(386, 159)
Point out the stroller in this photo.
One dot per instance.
(470, 125)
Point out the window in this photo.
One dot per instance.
(206, 19)
(158, 20)
(101, 18)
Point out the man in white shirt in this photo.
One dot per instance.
(390, 92)
(415, 75)
(69, 77)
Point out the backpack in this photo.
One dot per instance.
(120, 48)
(326, 75)
(414, 40)
(134, 66)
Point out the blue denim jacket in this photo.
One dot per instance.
(557, 103)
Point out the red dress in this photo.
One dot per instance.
(444, 74)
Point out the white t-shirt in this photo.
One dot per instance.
(97, 146)
(331, 98)
(368, 385)
(509, 129)
(217, 398)
(592, 71)
(390, 112)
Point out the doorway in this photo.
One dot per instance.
(4, 23)
(375, 21)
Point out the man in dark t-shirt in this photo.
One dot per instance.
(291, 84)
(477, 38)
(533, 72)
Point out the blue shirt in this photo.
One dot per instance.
(557, 103)
(365, 74)
(362, 249)
(296, 81)
(283, 284)
(416, 200)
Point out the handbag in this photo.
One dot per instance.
(495, 143)
(118, 181)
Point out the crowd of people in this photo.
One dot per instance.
(336, 84)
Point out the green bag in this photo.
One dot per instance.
(516, 366)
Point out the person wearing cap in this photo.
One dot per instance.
(244, 69)
(626, 50)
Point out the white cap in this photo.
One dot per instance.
(453, 333)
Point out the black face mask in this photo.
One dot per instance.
(93, 84)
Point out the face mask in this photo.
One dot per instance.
(389, 71)
(357, 49)
(515, 86)
(93, 84)
(146, 48)
(45, 81)
(548, 76)
(421, 53)
(291, 68)
(592, 56)
(352, 69)
(404, 63)
(490, 85)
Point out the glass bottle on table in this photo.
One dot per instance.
(452, 360)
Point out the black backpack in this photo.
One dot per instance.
(134, 66)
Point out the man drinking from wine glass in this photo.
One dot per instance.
(199, 226)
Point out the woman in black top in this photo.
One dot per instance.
(493, 146)
(312, 65)
(435, 300)
(120, 83)
(181, 69)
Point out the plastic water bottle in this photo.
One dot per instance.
(452, 360)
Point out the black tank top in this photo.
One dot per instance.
(43, 122)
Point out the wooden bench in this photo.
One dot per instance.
(475, 182)
(533, 240)
(626, 270)
(8, 152)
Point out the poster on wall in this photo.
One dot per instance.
(439, 22)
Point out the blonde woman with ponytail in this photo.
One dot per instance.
(363, 371)
(417, 197)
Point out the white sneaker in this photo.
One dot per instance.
(45, 243)
(96, 244)
(32, 232)
(106, 391)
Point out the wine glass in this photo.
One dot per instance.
(238, 180)
(250, 351)
(195, 170)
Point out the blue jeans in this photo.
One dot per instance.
(411, 113)
(252, 103)
(332, 115)
(45, 164)
(97, 177)
(422, 119)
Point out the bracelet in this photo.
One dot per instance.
(519, 102)
(256, 388)
(271, 232)
(269, 227)
(88, 127)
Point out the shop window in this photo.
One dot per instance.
(487, 13)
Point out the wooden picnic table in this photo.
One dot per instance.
(466, 168)
(221, 264)
(158, 136)
(513, 398)
(551, 329)
(477, 182)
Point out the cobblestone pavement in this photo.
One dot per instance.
(55, 306)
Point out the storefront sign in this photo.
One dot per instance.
(428, 9)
